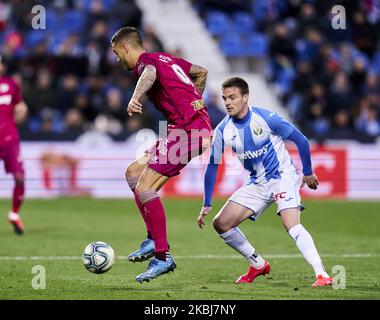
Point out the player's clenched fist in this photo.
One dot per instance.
(311, 181)
(204, 212)
(134, 106)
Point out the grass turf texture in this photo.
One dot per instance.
(64, 227)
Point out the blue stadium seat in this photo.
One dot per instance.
(233, 45)
(73, 20)
(34, 37)
(243, 22)
(218, 23)
(375, 65)
(52, 20)
(257, 45)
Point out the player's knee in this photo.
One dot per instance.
(131, 170)
(19, 179)
(220, 226)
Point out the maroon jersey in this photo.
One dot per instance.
(9, 97)
(173, 92)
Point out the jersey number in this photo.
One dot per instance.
(181, 74)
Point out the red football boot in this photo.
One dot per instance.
(323, 281)
(252, 273)
(16, 222)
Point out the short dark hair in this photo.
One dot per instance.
(236, 82)
(130, 34)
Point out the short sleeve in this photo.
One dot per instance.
(145, 61)
(184, 64)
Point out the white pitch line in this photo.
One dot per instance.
(197, 257)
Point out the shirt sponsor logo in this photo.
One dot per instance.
(198, 104)
(253, 154)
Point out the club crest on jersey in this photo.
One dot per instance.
(258, 131)
(198, 104)
(4, 87)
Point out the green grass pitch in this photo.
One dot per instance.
(346, 233)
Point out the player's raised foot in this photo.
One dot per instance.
(323, 281)
(156, 268)
(252, 273)
(15, 220)
(145, 252)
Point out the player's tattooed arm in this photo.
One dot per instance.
(145, 82)
(199, 76)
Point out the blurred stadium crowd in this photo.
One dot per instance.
(328, 79)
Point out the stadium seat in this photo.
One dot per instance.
(34, 37)
(375, 65)
(218, 23)
(257, 45)
(243, 22)
(52, 20)
(233, 45)
(73, 21)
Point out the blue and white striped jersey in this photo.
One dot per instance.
(258, 141)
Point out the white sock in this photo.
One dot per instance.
(13, 216)
(236, 239)
(306, 246)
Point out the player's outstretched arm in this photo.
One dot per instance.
(145, 82)
(199, 76)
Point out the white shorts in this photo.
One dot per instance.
(257, 197)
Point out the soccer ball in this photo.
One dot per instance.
(98, 257)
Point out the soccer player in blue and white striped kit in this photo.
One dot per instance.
(257, 137)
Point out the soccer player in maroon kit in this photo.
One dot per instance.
(175, 87)
(12, 109)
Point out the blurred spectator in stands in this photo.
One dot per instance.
(151, 42)
(367, 120)
(317, 124)
(340, 95)
(307, 18)
(371, 87)
(363, 35)
(51, 122)
(342, 128)
(99, 35)
(40, 94)
(93, 53)
(38, 58)
(358, 75)
(73, 124)
(96, 12)
(67, 91)
(126, 13)
(281, 44)
(95, 90)
(215, 112)
(115, 104)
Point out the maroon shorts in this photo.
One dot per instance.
(171, 154)
(10, 154)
